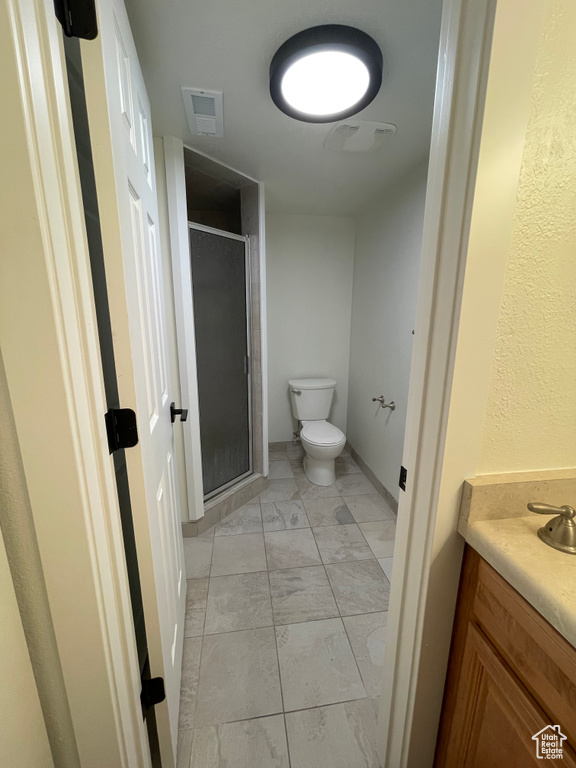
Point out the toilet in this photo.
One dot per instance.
(322, 441)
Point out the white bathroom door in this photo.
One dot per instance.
(120, 128)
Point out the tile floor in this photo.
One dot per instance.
(285, 625)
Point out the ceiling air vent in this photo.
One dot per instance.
(204, 111)
(358, 136)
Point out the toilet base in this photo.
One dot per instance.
(320, 471)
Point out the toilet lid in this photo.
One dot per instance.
(322, 433)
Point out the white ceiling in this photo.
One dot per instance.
(227, 45)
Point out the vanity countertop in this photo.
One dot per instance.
(545, 577)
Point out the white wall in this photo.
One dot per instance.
(309, 285)
(386, 268)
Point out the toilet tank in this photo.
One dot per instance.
(311, 398)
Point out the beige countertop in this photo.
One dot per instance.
(545, 577)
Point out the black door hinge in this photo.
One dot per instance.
(121, 428)
(402, 481)
(78, 18)
(153, 692)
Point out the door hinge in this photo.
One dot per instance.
(121, 428)
(402, 481)
(153, 692)
(78, 18)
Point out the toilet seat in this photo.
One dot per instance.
(321, 433)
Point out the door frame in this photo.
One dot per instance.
(482, 105)
(247, 267)
(451, 359)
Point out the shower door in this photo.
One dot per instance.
(220, 287)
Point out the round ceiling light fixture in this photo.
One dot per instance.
(326, 73)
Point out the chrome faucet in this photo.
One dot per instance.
(560, 532)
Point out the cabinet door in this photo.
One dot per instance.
(494, 717)
(542, 660)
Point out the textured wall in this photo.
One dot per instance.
(531, 416)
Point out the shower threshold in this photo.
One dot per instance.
(231, 484)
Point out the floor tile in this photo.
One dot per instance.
(340, 736)
(359, 587)
(238, 677)
(247, 519)
(368, 509)
(258, 743)
(291, 549)
(189, 684)
(280, 470)
(386, 563)
(279, 490)
(375, 701)
(367, 635)
(330, 624)
(354, 485)
(331, 511)
(301, 594)
(196, 594)
(295, 450)
(194, 624)
(380, 537)
(184, 748)
(317, 665)
(197, 556)
(238, 554)
(278, 446)
(277, 456)
(339, 543)
(237, 602)
(308, 490)
(284, 515)
(346, 465)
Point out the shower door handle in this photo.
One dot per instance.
(246, 365)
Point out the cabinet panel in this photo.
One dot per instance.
(509, 676)
(495, 717)
(536, 652)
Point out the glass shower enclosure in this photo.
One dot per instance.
(221, 293)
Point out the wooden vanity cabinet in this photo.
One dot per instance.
(510, 675)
